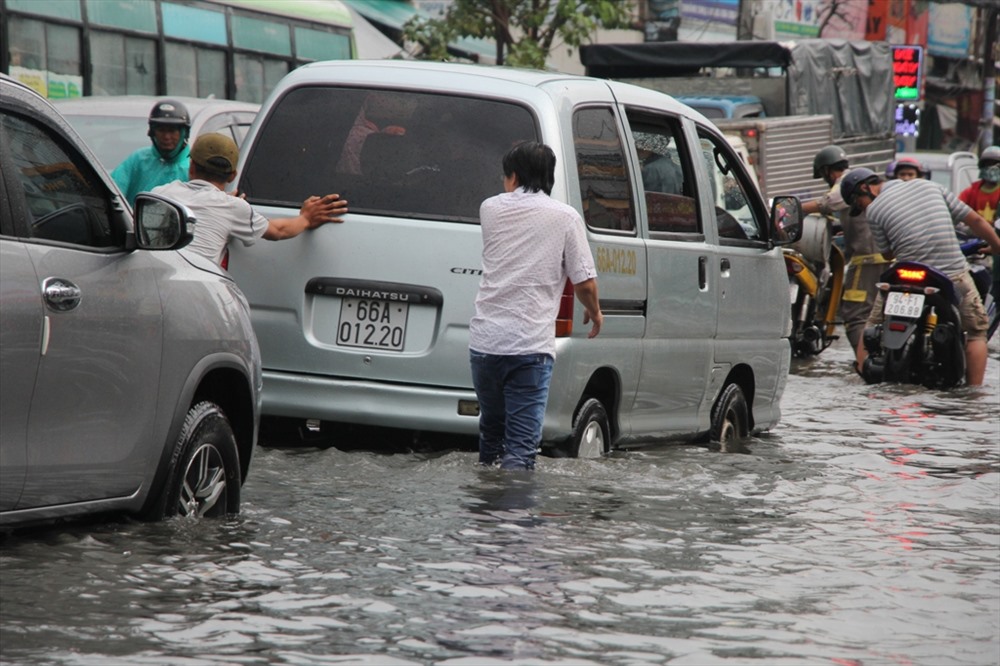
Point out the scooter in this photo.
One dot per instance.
(920, 340)
(815, 268)
(985, 284)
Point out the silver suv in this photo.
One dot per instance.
(129, 372)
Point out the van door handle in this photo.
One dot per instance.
(703, 273)
(724, 267)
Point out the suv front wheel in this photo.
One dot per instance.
(204, 477)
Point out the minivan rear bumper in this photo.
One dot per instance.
(368, 403)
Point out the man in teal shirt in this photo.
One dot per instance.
(167, 160)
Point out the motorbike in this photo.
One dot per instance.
(920, 340)
(815, 266)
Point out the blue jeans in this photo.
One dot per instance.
(512, 392)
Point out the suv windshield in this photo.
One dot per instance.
(387, 152)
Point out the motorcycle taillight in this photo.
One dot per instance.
(911, 274)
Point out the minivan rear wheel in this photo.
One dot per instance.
(730, 421)
(591, 431)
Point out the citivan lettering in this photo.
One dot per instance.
(371, 293)
(615, 260)
(458, 270)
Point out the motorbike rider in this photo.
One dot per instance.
(983, 196)
(864, 262)
(915, 221)
(908, 168)
(166, 160)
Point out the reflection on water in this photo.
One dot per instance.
(863, 530)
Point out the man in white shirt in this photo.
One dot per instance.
(531, 245)
(220, 216)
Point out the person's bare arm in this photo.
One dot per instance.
(983, 229)
(586, 292)
(315, 211)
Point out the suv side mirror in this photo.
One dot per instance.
(786, 220)
(162, 224)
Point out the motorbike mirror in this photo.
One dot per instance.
(786, 220)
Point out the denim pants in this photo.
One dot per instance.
(512, 392)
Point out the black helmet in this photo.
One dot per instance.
(850, 183)
(828, 157)
(989, 156)
(169, 112)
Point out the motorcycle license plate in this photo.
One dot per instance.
(904, 304)
(372, 324)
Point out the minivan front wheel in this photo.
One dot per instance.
(730, 421)
(591, 431)
(204, 477)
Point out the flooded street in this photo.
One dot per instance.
(864, 530)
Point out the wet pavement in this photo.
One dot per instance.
(864, 530)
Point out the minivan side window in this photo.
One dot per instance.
(735, 214)
(602, 171)
(388, 152)
(667, 182)
(65, 199)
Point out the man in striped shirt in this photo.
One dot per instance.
(915, 220)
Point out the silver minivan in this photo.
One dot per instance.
(366, 322)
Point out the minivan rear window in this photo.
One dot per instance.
(388, 152)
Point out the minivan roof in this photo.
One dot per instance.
(452, 76)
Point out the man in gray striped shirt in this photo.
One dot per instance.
(915, 220)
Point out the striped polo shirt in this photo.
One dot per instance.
(915, 220)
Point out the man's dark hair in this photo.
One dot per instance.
(201, 173)
(534, 164)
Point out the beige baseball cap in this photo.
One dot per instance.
(216, 153)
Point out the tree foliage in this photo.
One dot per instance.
(525, 31)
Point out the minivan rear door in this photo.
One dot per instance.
(386, 296)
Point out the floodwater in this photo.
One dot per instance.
(865, 530)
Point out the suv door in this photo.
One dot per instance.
(93, 317)
(20, 337)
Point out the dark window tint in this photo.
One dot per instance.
(398, 153)
(600, 163)
(65, 200)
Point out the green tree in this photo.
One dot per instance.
(524, 30)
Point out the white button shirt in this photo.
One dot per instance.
(531, 245)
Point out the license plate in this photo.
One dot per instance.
(904, 304)
(372, 324)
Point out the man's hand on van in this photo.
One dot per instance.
(598, 321)
(321, 210)
(586, 292)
